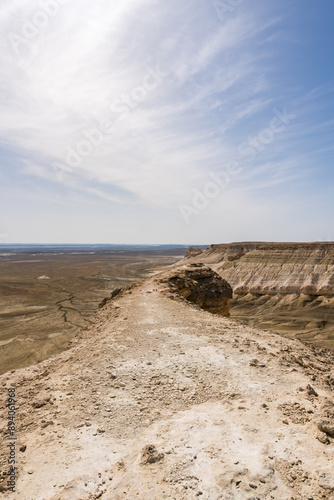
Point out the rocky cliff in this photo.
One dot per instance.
(159, 399)
(279, 268)
(285, 286)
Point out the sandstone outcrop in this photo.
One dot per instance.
(202, 286)
(193, 252)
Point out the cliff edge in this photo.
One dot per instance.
(161, 399)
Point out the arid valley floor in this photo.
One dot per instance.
(46, 296)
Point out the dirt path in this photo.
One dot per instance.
(161, 400)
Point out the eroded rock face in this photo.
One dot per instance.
(237, 256)
(286, 287)
(193, 252)
(202, 286)
(273, 268)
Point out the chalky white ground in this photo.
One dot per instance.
(157, 371)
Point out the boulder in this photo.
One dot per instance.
(202, 286)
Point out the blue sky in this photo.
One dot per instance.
(145, 121)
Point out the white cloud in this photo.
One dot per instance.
(180, 89)
(66, 79)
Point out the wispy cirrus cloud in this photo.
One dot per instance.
(134, 101)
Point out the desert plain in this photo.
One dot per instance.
(49, 294)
